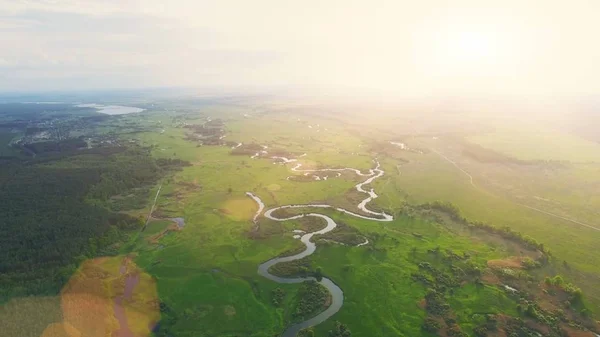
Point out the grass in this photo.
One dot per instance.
(206, 274)
(540, 145)
(376, 281)
(568, 241)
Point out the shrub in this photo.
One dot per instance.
(431, 325)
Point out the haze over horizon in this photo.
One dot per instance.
(430, 48)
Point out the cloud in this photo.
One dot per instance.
(381, 44)
(88, 7)
(70, 48)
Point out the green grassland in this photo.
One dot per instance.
(443, 266)
(428, 272)
(539, 145)
(430, 177)
(206, 272)
(377, 281)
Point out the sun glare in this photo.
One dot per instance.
(470, 47)
(467, 50)
(470, 51)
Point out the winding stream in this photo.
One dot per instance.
(337, 295)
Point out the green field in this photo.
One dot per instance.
(540, 145)
(209, 267)
(443, 267)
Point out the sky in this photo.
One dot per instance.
(410, 48)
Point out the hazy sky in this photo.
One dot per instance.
(425, 47)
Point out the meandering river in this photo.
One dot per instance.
(337, 294)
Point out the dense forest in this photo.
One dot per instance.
(54, 212)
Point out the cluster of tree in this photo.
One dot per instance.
(27, 112)
(213, 140)
(554, 319)
(529, 263)
(247, 149)
(292, 268)
(136, 199)
(49, 223)
(130, 169)
(506, 232)
(208, 133)
(517, 327)
(168, 318)
(54, 146)
(443, 275)
(171, 163)
(436, 278)
(344, 234)
(436, 303)
(311, 300)
(531, 309)
(488, 324)
(277, 296)
(306, 333)
(454, 330)
(340, 330)
(575, 293)
(431, 325)
(461, 268)
(313, 224)
(450, 326)
(204, 130)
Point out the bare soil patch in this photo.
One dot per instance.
(514, 262)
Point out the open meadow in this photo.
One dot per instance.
(235, 218)
(206, 271)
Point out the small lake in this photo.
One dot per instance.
(112, 109)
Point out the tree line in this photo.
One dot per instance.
(53, 215)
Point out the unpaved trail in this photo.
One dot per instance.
(152, 208)
(517, 203)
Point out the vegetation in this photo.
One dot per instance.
(340, 330)
(312, 298)
(306, 333)
(344, 234)
(429, 272)
(44, 238)
(278, 296)
(300, 267)
(505, 232)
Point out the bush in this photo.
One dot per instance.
(306, 333)
(431, 325)
(278, 295)
(312, 298)
(480, 331)
(529, 263)
(340, 330)
(436, 304)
